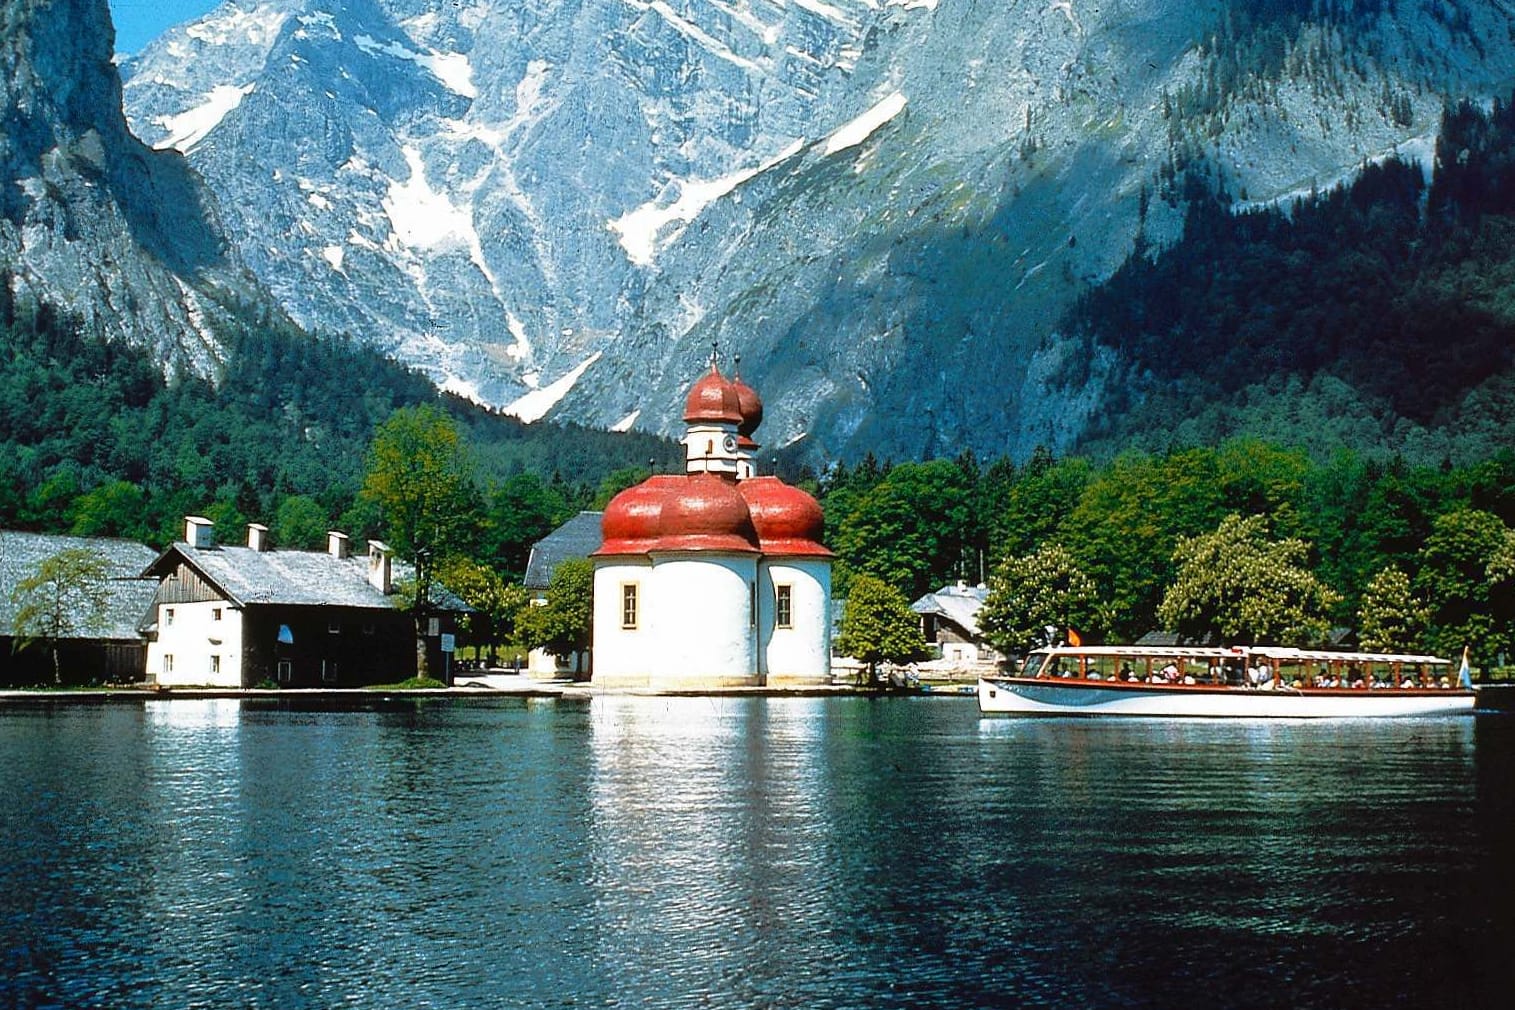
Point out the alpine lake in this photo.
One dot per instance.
(746, 852)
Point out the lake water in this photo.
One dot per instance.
(747, 852)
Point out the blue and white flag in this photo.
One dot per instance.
(1464, 677)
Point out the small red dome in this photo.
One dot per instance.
(630, 522)
(713, 399)
(788, 521)
(706, 513)
(749, 404)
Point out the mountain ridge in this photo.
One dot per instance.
(559, 208)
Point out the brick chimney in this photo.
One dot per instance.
(257, 537)
(380, 568)
(199, 532)
(336, 544)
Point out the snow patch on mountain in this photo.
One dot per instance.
(452, 69)
(422, 217)
(861, 128)
(696, 34)
(535, 404)
(187, 129)
(257, 26)
(639, 229)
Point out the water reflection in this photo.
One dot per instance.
(746, 853)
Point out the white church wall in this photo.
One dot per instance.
(703, 628)
(622, 654)
(801, 653)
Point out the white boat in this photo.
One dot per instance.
(1244, 682)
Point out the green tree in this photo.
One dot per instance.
(1034, 507)
(420, 477)
(1031, 592)
(496, 602)
(878, 625)
(114, 509)
(913, 528)
(1127, 521)
(1465, 548)
(564, 624)
(67, 595)
(1239, 585)
(1390, 619)
(522, 510)
(301, 522)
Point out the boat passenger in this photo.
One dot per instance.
(1170, 672)
(1126, 672)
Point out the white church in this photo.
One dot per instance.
(715, 577)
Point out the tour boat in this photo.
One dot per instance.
(1248, 682)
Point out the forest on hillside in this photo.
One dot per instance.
(1380, 316)
(95, 440)
(1427, 550)
(1333, 379)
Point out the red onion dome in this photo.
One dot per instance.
(788, 521)
(750, 405)
(713, 399)
(630, 523)
(706, 513)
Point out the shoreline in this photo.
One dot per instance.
(552, 690)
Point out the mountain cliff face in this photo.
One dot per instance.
(93, 222)
(884, 206)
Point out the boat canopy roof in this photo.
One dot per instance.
(1276, 653)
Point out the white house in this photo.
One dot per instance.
(714, 577)
(949, 622)
(235, 616)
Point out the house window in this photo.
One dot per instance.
(168, 662)
(629, 605)
(168, 617)
(286, 671)
(783, 606)
(368, 628)
(215, 613)
(333, 627)
(329, 671)
(215, 665)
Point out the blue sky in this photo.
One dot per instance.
(138, 22)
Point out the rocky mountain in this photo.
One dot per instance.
(92, 222)
(885, 206)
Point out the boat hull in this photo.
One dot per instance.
(1021, 696)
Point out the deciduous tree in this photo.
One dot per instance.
(563, 625)
(1390, 618)
(68, 594)
(420, 477)
(878, 625)
(1239, 585)
(1466, 547)
(1030, 592)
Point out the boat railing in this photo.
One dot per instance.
(1240, 667)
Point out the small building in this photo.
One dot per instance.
(241, 616)
(576, 539)
(716, 577)
(110, 649)
(949, 622)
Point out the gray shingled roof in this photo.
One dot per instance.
(301, 578)
(579, 537)
(960, 605)
(131, 596)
